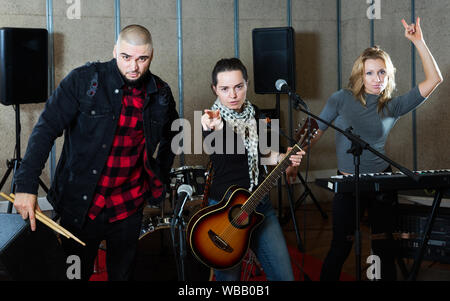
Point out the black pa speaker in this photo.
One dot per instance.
(273, 58)
(29, 255)
(23, 65)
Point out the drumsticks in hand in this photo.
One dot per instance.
(47, 221)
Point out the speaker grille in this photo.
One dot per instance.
(23, 65)
(273, 58)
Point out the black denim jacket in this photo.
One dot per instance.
(86, 107)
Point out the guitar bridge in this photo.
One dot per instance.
(219, 242)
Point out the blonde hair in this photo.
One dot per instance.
(356, 80)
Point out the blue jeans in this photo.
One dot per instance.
(269, 246)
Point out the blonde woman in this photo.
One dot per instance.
(368, 105)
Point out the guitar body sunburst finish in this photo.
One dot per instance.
(219, 235)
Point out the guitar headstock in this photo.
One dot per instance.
(307, 132)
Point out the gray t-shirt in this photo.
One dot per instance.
(373, 127)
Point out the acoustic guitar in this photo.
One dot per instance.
(219, 235)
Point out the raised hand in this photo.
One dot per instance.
(211, 120)
(433, 76)
(413, 32)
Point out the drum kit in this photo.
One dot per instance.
(158, 236)
(193, 176)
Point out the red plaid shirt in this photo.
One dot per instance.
(126, 181)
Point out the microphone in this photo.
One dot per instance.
(282, 86)
(184, 192)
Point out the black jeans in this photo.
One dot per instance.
(121, 244)
(382, 212)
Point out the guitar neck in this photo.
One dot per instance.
(269, 182)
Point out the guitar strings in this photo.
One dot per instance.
(244, 212)
(230, 228)
(250, 204)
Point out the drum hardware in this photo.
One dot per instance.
(151, 224)
(174, 217)
(188, 183)
(194, 176)
(156, 260)
(184, 192)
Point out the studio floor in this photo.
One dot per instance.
(316, 233)
(156, 260)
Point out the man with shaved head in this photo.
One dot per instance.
(114, 115)
(134, 41)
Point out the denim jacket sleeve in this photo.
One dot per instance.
(60, 109)
(165, 155)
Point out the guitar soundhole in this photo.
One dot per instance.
(238, 218)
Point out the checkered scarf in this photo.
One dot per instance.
(244, 125)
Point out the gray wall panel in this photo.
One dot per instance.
(208, 34)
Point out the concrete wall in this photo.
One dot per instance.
(19, 14)
(432, 123)
(208, 35)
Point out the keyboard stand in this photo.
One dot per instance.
(426, 235)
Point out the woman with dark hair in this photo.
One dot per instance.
(369, 107)
(233, 113)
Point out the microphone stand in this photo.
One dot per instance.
(177, 221)
(292, 206)
(307, 191)
(357, 147)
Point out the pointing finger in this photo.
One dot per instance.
(216, 114)
(209, 113)
(32, 220)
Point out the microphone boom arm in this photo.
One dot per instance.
(360, 143)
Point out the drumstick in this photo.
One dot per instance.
(50, 225)
(42, 220)
(47, 221)
(42, 217)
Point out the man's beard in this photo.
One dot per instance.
(134, 83)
